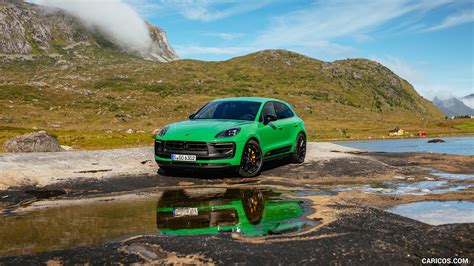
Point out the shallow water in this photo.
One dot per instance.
(453, 145)
(402, 187)
(250, 212)
(450, 176)
(407, 188)
(437, 212)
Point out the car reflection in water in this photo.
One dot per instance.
(251, 212)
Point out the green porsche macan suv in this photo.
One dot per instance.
(239, 133)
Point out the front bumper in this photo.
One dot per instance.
(214, 155)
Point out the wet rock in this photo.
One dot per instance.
(33, 142)
(436, 141)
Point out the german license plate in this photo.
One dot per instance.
(180, 212)
(183, 157)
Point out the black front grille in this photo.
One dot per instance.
(185, 146)
(203, 150)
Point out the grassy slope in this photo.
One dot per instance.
(78, 98)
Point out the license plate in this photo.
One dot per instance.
(183, 157)
(180, 212)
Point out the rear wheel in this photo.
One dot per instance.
(252, 159)
(300, 149)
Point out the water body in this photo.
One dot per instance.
(250, 212)
(453, 145)
(437, 212)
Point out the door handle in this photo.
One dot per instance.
(280, 127)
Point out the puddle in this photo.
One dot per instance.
(449, 176)
(250, 212)
(437, 212)
(406, 188)
(418, 188)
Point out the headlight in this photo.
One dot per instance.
(163, 131)
(228, 133)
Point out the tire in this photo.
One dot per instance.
(252, 159)
(300, 149)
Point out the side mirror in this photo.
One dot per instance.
(191, 116)
(269, 118)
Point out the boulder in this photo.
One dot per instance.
(33, 142)
(436, 141)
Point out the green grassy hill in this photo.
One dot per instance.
(91, 100)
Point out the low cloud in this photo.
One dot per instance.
(114, 18)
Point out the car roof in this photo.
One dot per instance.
(250, 99)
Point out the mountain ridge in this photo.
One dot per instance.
(468, 100)
(453, 106)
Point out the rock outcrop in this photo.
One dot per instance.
(33, 142)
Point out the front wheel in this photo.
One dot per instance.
(252, 159)
(300, 149)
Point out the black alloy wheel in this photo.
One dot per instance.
(300, 149)
(252, 159)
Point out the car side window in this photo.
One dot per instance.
(282, 111)
(268, 109)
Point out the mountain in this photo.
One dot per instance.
(61, 76)
(28, 29)
(452, 106)
(115, 91)
(468, 100)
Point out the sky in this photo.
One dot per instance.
(430, 43)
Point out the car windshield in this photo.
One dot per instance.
(234, 110)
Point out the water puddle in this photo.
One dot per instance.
(446, 184)
(437, 212)
(449, 176)
(406, 188)
(250, 212)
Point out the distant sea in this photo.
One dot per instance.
(453, 145)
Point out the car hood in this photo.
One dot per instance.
(201, 129)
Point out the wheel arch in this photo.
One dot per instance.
(253, 138)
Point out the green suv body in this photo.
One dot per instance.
(233, 133)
